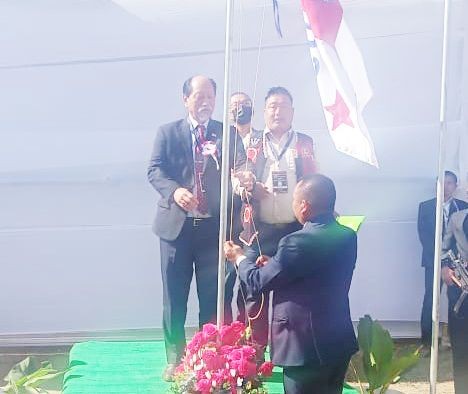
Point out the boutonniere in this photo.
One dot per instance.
(209, 149)
(252, 154)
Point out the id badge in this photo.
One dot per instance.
(280, 181)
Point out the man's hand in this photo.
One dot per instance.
(447, 275)
(262, 260)
(260, 191)
(185, 199)
(246, 179)
(232, 251)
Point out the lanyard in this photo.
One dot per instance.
(276, 155)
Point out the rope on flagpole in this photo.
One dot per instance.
(250, 319)
(439, 214)
(225, 173)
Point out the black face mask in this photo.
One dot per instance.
(242, 114)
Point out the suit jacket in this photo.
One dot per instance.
(171, 166)
(310, 276)
(426, 226)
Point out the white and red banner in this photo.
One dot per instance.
(341, 78)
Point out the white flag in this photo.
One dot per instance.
(341, 78)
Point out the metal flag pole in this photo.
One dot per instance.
(439, 212)
(225, 173)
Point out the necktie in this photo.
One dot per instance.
(199, 159)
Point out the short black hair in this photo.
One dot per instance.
(187, 87)
(239, 92)
(450, 173)
(278, 90)
(319, 191)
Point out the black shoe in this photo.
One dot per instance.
(168, 374)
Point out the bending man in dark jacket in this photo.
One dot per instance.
(312, 335)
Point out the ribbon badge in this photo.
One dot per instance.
(247, 214)
(209, 149)
(252, 154)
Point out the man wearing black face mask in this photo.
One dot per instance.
(241, 119)
(241, 116)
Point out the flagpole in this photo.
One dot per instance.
(225, 173)
(439, 213)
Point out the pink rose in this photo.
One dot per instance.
(236, 354)
(209, 332)
(212, 360)
(238, 327)
(266, 369)
(226, 349)
(203, 385)
(247, 368)
(195, 344)
(248, 351)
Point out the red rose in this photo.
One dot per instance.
(266, 369)
(209, 332)
(231, 334)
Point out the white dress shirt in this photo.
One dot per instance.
(276, 208)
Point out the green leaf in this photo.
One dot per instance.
(381, 367)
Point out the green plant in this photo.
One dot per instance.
(381, 365)
(27, 376)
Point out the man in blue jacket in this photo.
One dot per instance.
(312, 335)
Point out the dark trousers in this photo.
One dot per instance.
(458, 330)
(195, 247)
(256, 309)
(426, 312)
(326, 379)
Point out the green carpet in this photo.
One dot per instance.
(127, 367)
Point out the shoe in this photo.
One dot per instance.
(168, 374)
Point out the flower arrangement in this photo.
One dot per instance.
(221, 361)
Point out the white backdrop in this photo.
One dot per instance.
(83, 86)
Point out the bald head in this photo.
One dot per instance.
(314, 195)
(199, 97)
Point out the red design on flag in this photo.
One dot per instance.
(340, 112)
(324, 18)
(341, 77)
(248, 234)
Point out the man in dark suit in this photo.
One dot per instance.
(185, 170)
(312, 335)
(426, 232)
(279, 157)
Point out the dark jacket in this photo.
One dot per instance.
(310, 276)
(171, 166)
(426, 227)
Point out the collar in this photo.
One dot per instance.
(267, 131)
(323, 218)
(194, 124)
